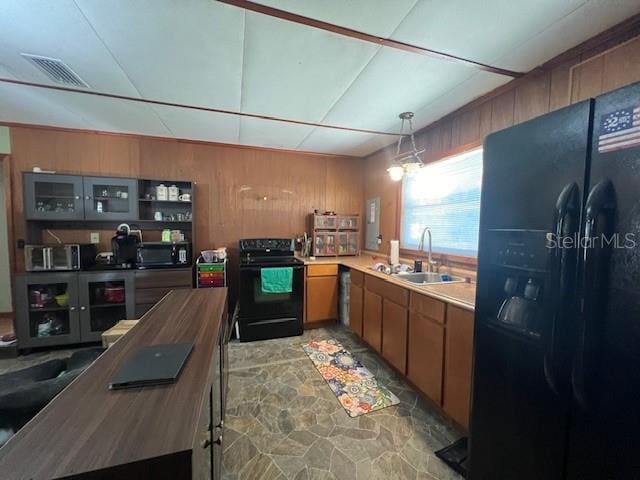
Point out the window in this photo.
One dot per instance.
(445, 197)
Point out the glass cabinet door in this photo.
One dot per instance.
(348, 222)
(353, 243)
(319, 244)
(325, 221)
(343, 244)
(110, 198)
(47, 309)
(105, 299)
(53, 197)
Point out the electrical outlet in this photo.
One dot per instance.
(95, 237)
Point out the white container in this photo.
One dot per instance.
(174, 193)
(162, 192)
(394, 257)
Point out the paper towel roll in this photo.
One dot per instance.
(395, 252)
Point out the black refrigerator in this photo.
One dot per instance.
(556, 385)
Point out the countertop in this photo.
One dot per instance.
(462, 295)
(89, 428)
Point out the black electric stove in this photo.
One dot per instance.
(264, 315)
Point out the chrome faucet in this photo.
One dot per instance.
(430, 263)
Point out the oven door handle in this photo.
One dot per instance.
(257, 269)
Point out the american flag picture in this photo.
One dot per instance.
(619, 129)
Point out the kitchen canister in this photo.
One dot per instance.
(166, 235)
(162, 192)
(174, 193)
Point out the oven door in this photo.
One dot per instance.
(254, 303)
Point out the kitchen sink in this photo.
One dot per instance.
(428, 278)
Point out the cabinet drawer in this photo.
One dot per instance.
(163, 278)
(427, 306)
(322, 270)
(357, 278)
(387, 290)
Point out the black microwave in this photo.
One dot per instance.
(163, 254)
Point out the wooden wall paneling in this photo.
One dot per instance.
(502, 111)
(621, 65)
(586, 80)
(532, 98)
(559, 89)
(465, 128)
(484, 122)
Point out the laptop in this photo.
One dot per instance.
(153, 365)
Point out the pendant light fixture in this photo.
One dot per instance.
(408, 161)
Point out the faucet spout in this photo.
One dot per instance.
(430, 262)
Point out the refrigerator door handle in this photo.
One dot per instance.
(565, 224)
(600, 205)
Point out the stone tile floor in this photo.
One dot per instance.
(284, 422)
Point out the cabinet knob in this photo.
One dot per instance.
(78, 197)
(87, 197)
(72, 309)
(83, 308)
(205, 443)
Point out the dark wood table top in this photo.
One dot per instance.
(88, 427)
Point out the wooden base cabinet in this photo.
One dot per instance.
(458, 364)
(394, 334)
(372, 320)
(356, 302)
(426, 355)
(321, 294)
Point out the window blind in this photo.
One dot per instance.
(445, 197)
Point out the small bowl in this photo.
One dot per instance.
(62, 300)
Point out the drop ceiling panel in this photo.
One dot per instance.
(272, 134)
(393, 82)
(111, 115)
(376, 17)
(342, 142)
(186, 52)
(584, 23)
(199, 125)
(23, 104)
(295, 71)
(481, 31)
(59, 30)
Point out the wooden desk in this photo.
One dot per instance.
(161, 432)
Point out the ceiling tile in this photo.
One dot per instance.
(325, 140)
(393, 82)
(272, 134)
(582, 24)
(200, 125)
(23, 104)
(376, 17)
(295, 71)
(109, 114)
(481, 31)
(59, 30)
(185, 52)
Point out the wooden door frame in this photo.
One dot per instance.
(5, 161)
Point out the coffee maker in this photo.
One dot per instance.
(124, 246)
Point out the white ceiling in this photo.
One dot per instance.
(205, 53)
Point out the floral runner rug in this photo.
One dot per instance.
(357, 389)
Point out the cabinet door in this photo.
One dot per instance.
(426, 355)
(53, 197)
(458, 364)
(394, 334)
(322, 298)
(372, 320)
(110, 198)
(105, 299)
(355, 308)
(47, 309)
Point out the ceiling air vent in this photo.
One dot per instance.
(56, 70)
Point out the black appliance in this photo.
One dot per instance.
(124, 246)
(163, 254)
(269, 315)
(59, 257)
(556, 389)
